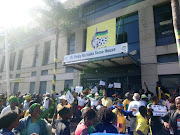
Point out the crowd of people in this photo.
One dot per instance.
(96, 112)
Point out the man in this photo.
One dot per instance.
(134, 104)
(63, 126)
(13, 103)
(106, 101)
(160, 90)
(144, 99)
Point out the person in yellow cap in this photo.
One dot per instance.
(13, 103)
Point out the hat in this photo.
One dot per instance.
(143, 96)
(63, 97)
(27, 97)
(31, 108)
(63, 110)
(167, 95)
(136, 96)
(127, 94)
(11, 99)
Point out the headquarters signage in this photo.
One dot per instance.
(101, 35)
(106, 51)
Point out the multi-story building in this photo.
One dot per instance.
(126, 41)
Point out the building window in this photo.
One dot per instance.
(11, 76)
(11, 61)
(36, 54)
(167, 58)
(71, 44)
(69, 82)
(69, 70)
(16, 87)
(19, 66)
(0, 77)
(44, 72)
(18, 75)
(46, 53)
(2, 63)
(32, 86)
(33, 73)
(164, 25)
(43, 87)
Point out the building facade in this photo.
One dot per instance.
(144, 26)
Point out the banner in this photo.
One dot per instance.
(78, 89)
(117, 85)
(69, 97)
(159, 110)
(102, 83)
(101, 35)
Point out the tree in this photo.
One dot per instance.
(176, 23)
(62, 18)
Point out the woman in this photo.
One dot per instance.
(8, 121)
(88, 116)
(32, 124)
(105, 117)
(172, 119)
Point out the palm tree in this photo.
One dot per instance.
(176, 23)
(62, 18)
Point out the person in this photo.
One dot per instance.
(88, 116)
(81, 102)
(105, 118)
(127, 101)
(160, 90)
(172, 118)
(142, 122)
(1, 105)
(106, 101)
(13, 103)
(167, 103)
(63, 126)
(155, 121)
(8, 121)
(120, 113)
(144, 99)
(134, 104)
(99, 104)
(32, 124)
(26, 102)
(75, 104)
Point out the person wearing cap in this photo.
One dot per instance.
(127, 100)
(144, 99)
(33, 123)
(26, 102)
(134, 104)
(13, 103)
(63, 126)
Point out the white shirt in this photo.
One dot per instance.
(81, 101)
(46, 103)
(8, 109)
(26, 105)
(136, 105)
(94, 102)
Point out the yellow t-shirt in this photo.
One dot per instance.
(107, 102)
(141, 124)
(126, 104)
(121, 121)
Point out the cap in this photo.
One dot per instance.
(127, 94)
(136, 96)
(143, 96)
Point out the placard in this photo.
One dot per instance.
(69, 97)
(94, 90)
(79, 89)
(102, 83)
(159, 110)
(110, 86)
(117, 85)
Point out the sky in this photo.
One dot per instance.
(14, 13)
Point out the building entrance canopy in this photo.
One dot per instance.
(113, 56)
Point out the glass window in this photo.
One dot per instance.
(33, 73)
(16, 87)
(36, 54)
(69, 82)
(167, 58)
(18, 75)
(164, 25)
(19, 66)
(2, 63)
(32, 86)
(71, 44)
(11, 76)
(0, 77)
(46, 53)
(11, 61)
(44, 72)
(43, 87)
(69, 70)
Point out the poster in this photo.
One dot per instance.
(159, 110)
(102, 83)
(78, 89)
(101, 35)
(94, 90)
(117, 85)
(69, 97)
(110, 86)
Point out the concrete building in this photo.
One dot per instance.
(145, 26)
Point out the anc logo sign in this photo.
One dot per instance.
(101, 35)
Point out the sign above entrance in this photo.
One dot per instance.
(101, 35)
(107, 51)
